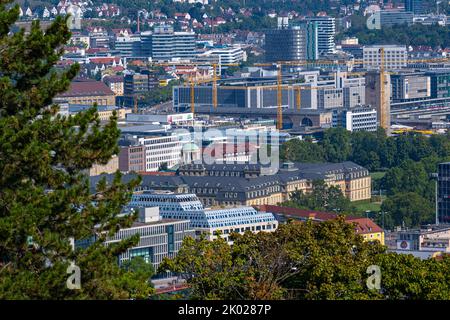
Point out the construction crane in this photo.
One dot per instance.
(214, 80)
(279, 65)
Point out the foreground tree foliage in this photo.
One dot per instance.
(45, 198)
(307, 261)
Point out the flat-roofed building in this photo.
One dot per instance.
(410, 86)
(395, 57)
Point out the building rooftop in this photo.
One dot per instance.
(363, 225)
(80, 88)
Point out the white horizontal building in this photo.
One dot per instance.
(203, 221)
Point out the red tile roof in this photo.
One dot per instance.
(104, 60)
(363, 225)
(87, 88)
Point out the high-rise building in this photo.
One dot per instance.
(168, 45)
(128, 46)
(443, 194)
(326, 30)
(378, 96)
(146, 44)
(415, 6)
(292, 43)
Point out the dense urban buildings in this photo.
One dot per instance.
(369, 230)
(357, 132)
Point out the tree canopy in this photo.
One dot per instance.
(306, 261)
(45, 196)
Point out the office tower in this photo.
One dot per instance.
(146, 44)
(292, 43)
(326, 29)
(415, 6)
(128, 46)
(443, 193)
(167, 44)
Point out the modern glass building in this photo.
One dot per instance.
(292, 43)
(159, 237)
(443, 197)
(167, 44)
(415, 6)
(326, 30)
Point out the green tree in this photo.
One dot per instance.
(337, 144)
(45, 196)
(322, 197)
(302, 151)
(298, 260)
(408, 208)
(407, 277)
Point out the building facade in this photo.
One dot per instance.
(443, 198)
(356, 119)
(410, 86)
(88, 92)
(375, 98)
(439, 83)
(326, 30)
(203, 221)
(292, 43)
(389, 18)
(415, 6)
(159, 238)
(159, 151)
(132, 158)
(395, 57)
(167, 45)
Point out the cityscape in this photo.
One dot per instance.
(224, 150)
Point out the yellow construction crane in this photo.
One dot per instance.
(279, 99)
(193, 82)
